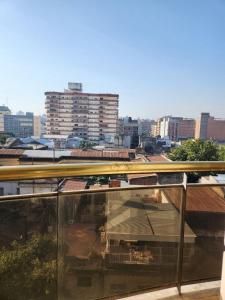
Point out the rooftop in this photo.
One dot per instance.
(74, 185)
(157, 158)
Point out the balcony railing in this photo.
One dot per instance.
(106, 242)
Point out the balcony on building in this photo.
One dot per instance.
(118, 230)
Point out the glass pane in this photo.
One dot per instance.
(117, 242)
(205, 214)
(28, 248)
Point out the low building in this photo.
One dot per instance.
(19, 125)
(128, 135)
(31, 143)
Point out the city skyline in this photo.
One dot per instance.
(167, 57)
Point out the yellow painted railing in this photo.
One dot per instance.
(70, 170)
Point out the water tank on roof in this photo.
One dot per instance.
(75, 86)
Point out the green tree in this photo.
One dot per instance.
(84, 145)
(222, 153)
(5, 136)
(29, 270)
(196, 150)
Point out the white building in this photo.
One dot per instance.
(4, 110)
(86, 115)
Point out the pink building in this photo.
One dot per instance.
(208, 127)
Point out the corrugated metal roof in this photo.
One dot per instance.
(47, 153)
(199, 199)
(104, 153)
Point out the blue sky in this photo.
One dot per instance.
(161, 56)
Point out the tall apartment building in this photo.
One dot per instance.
(4, 110)
(19, 125)
(208, 127)
(92, 116)
(176, 128)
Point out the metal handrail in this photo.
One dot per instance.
(8, 173)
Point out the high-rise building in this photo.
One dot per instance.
(208, 127)
(19, 125)
(93, 116)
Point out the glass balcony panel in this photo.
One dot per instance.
(205, 215)
(28, 248)
(117, 242)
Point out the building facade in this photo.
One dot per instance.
(176, 128)
(155, 130)
(4, 110)
(145, 126)
(37, 126)
(129, 132)
(90, 116)
(208, 127)
(19, 125)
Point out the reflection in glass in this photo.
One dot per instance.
(205, 214)
(118, 242)
(28, 249)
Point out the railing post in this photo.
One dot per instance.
(181, 236)
(57, 237)
(60, 206)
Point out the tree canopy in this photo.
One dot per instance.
(196, 150)
(84, 145)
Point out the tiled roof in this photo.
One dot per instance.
(73, 185)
